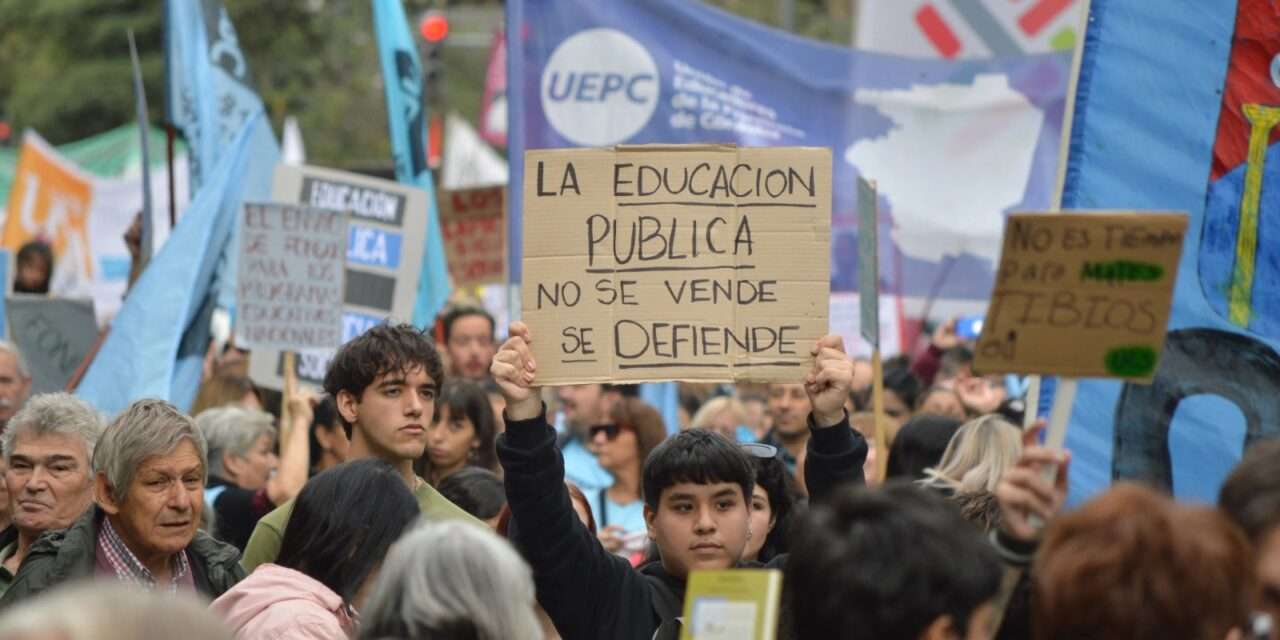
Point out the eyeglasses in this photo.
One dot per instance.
(760, 450)
(610, 431)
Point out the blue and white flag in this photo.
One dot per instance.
(209, 93)
(210, 97)
(406, 117)
(157, 342)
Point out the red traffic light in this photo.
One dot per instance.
(434, 27)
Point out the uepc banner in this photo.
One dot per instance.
(383, 256)
(952, 145)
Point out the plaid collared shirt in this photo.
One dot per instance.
(127, 566)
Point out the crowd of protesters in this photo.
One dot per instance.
(432, 489)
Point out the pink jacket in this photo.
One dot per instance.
(275, 603)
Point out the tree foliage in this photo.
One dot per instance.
(65, 70)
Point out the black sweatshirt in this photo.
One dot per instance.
(589, 592)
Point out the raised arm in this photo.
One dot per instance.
(579, 583)
(295, 450)
(835, 452)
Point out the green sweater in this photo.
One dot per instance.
(264, 544)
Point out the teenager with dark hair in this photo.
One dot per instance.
(696, 488)
(773, 503)
(461, 433)
(343, 523)
(477, 491)
(384, 384)
(892, 562)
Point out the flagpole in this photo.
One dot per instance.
(173, 204)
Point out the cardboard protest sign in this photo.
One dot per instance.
(474, 224)
(289, 291)
(1082, 294)
(689, 262)
(385, 237)
(53, 334)
(869, 261)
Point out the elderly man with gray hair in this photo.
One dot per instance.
(47, 446)
(149, 475)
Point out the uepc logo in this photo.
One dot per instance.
(599, 87)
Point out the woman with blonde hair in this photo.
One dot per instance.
(972, 465)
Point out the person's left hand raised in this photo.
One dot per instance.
(829, 381)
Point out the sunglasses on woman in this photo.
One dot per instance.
(610, 431)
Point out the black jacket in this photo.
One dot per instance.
(64, 555)
(589, 592)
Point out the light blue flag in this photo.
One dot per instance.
(157, 342)
(209, 92)
(406, 116)
(210, 97)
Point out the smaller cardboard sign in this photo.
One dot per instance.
(474, 224)
(869, 261)
(54, 336)
(384, 244)
(290, 288)
(1082, 294)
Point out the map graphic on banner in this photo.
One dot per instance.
(1203, 139)
(605, 72)
(967, 28)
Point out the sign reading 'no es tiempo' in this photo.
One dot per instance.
(693, 262)
(1082, 294)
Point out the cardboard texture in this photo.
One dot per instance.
(53, 334)
(676, 262)
(385, 238)
(869, 261)
(474, 224)
(289, 289)
(1083, 294)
